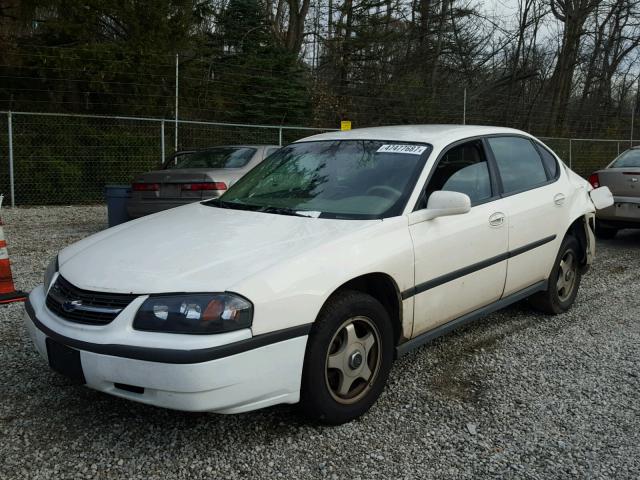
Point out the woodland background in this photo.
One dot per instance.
(556, 68)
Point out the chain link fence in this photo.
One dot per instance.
(586, 155)
(49, 159)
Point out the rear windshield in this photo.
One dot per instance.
(222, 157)
(630, 158)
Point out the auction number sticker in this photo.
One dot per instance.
(398, 148)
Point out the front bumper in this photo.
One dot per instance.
(243, 375)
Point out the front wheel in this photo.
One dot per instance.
(564, 280)
(349, 355)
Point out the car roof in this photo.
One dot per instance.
(436, 135)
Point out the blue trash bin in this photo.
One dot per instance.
(117, 196)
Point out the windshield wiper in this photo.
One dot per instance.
(281, 211)
(216, 202)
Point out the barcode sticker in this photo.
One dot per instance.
(398, 148)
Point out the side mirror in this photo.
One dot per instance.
(442, 203)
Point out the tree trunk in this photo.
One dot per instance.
(438, 51)
(573, 14)
(295, 28)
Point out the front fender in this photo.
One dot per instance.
(292, 292)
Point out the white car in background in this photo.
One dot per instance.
(315, 270)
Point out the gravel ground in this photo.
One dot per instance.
(516, 395)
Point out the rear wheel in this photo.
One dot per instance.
(349, 355)
(564, 280)
(605, 233)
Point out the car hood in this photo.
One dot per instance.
(194, 248)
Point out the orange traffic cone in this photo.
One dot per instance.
(8, 293)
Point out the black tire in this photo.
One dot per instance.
(320, 399)
(557, 300)
(605, 233)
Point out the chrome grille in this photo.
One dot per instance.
(81, 306)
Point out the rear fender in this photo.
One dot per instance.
(589, 226)
(581, 224)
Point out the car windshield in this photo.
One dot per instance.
(355, 179)
(630, 158)
(221, 157)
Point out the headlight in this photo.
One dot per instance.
(52, 268)
(195, 313)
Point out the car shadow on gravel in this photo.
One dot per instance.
(51, 410)
(624, 239)
(79, 415)
(453, 372)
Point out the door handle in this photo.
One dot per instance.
(558, 199)
(497, 219)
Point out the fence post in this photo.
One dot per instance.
(570, 153)
(464, 108)
(633, 113)
(280, 136)
(12, 185)
(162, 142)
(176, 112)
(618, 143)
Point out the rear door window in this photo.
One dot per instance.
(550, 162)
(519, 164)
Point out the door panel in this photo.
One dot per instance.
(460, 264)
(536, 207)
(460, 260)
(535, 218)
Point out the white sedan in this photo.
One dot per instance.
(314, 272)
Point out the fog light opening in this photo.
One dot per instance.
(129, 388)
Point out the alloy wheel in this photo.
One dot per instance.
(567, 273)
(353, 360)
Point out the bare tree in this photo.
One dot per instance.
(573, 15)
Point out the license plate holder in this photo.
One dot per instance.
(65, 360)
(628, 210)
(170, 190)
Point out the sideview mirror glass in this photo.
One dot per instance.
(443, 203)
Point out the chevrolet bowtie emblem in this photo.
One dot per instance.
(71, 305)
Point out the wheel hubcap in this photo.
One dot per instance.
(566, 276)
(353, 360)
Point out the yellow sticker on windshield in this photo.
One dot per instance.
(397, 148)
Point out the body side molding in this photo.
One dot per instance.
(448, 277)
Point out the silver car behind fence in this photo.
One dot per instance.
(622, 176)
(193, 175)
